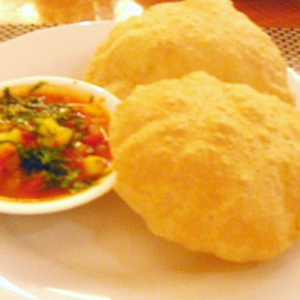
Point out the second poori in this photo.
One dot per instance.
(170, 40)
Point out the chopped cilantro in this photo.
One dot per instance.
(16, 109)
(51, 162)
(37, 86)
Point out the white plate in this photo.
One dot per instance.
(103, 251)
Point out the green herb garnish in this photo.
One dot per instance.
(37, 86)
(51, 162)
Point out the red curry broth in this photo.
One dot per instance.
(53, 142)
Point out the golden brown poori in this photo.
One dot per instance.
(210, 165)
(171, 40)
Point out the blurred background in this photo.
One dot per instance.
(266, 13)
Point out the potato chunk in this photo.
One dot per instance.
(11, 136)
(52, 134)
(94, 165)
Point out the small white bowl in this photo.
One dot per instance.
(103, 186)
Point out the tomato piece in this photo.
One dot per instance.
(34, 185)
(29, 139)
(104, 151)
(94, 139)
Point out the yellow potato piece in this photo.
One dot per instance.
(171, 40)
(211, 166)
(8, 141)
(94, 165)
(11, 136)
(52, 134)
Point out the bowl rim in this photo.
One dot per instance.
(99, 189)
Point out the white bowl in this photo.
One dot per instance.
(103, 186)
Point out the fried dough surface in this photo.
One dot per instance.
(171, 40)
(211, 166)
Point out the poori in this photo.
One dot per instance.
(212, 166)
(170, 40)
